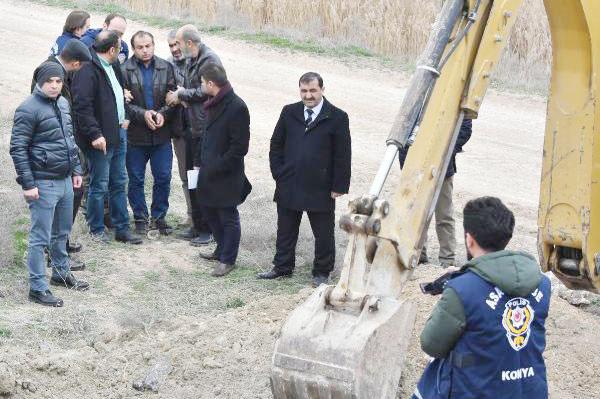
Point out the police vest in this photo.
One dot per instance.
(500, 352)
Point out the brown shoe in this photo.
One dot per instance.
(222, 269)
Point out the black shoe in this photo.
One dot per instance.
(423, 258)
(100, 237)
(141, 226)
(45, 298)
(74, 247)
(211, 256)
(162, 226)
(222, 269)
(201, 240)
(69, 281)
(318, 280)
(188, 234)
(128, 238)
(272, 274)
(76, 265)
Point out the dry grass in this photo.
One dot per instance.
(393, 28)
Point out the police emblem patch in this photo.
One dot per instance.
(516, 320)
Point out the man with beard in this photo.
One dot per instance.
(222, 183)
(149, 78)
(487, 333)
(179, 142)
(192, 98)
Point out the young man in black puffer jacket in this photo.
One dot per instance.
(48, 168)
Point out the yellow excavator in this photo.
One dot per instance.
(350, 340)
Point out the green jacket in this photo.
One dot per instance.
(515, 273)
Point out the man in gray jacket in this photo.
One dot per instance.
(47, 163)
(192, 97)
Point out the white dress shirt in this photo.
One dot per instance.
(316, 110)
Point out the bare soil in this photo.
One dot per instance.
(158, 303)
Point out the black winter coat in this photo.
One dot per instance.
(94, 104)
(66, 91)
(220, 155)
(138, 132)
(42, 144)
(463, 136)
(308, 164)
(193, 94)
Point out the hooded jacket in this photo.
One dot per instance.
(42, 145)
(515, 273)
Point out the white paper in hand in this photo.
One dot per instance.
(192, 177)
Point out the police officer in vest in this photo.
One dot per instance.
(487, 333)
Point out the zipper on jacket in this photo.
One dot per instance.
(60, 122)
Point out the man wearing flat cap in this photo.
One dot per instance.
(47, 164)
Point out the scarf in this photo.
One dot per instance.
(216, 100)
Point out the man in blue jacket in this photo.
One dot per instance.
(76, 25)
(487, 333)
(46, 160)
(113, 22)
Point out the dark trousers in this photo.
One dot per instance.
(288, 225)
(198, 217)
(161, 163)
(225, 226)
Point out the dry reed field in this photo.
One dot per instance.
(392, 28)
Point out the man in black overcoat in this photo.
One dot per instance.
(310, 159)
(222, 182)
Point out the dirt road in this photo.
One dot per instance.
(157, 304)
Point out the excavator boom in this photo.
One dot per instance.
(350, 340)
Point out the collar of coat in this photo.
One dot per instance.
(133, 63)
(325, 113)
(219, 108)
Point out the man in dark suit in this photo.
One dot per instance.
(310, 161)
(222, 183)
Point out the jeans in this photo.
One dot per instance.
(225, 226)
(161, 162)
(51, 221)
(107, 175)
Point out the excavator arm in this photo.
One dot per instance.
(350, 340)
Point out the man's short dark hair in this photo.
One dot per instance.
(112, 16)
(214, 73)
(75, 20)
(141, 33)
(489, 222)
(106, 40)
(309, 77)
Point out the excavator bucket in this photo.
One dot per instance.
(324, 353)
(350, 340)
